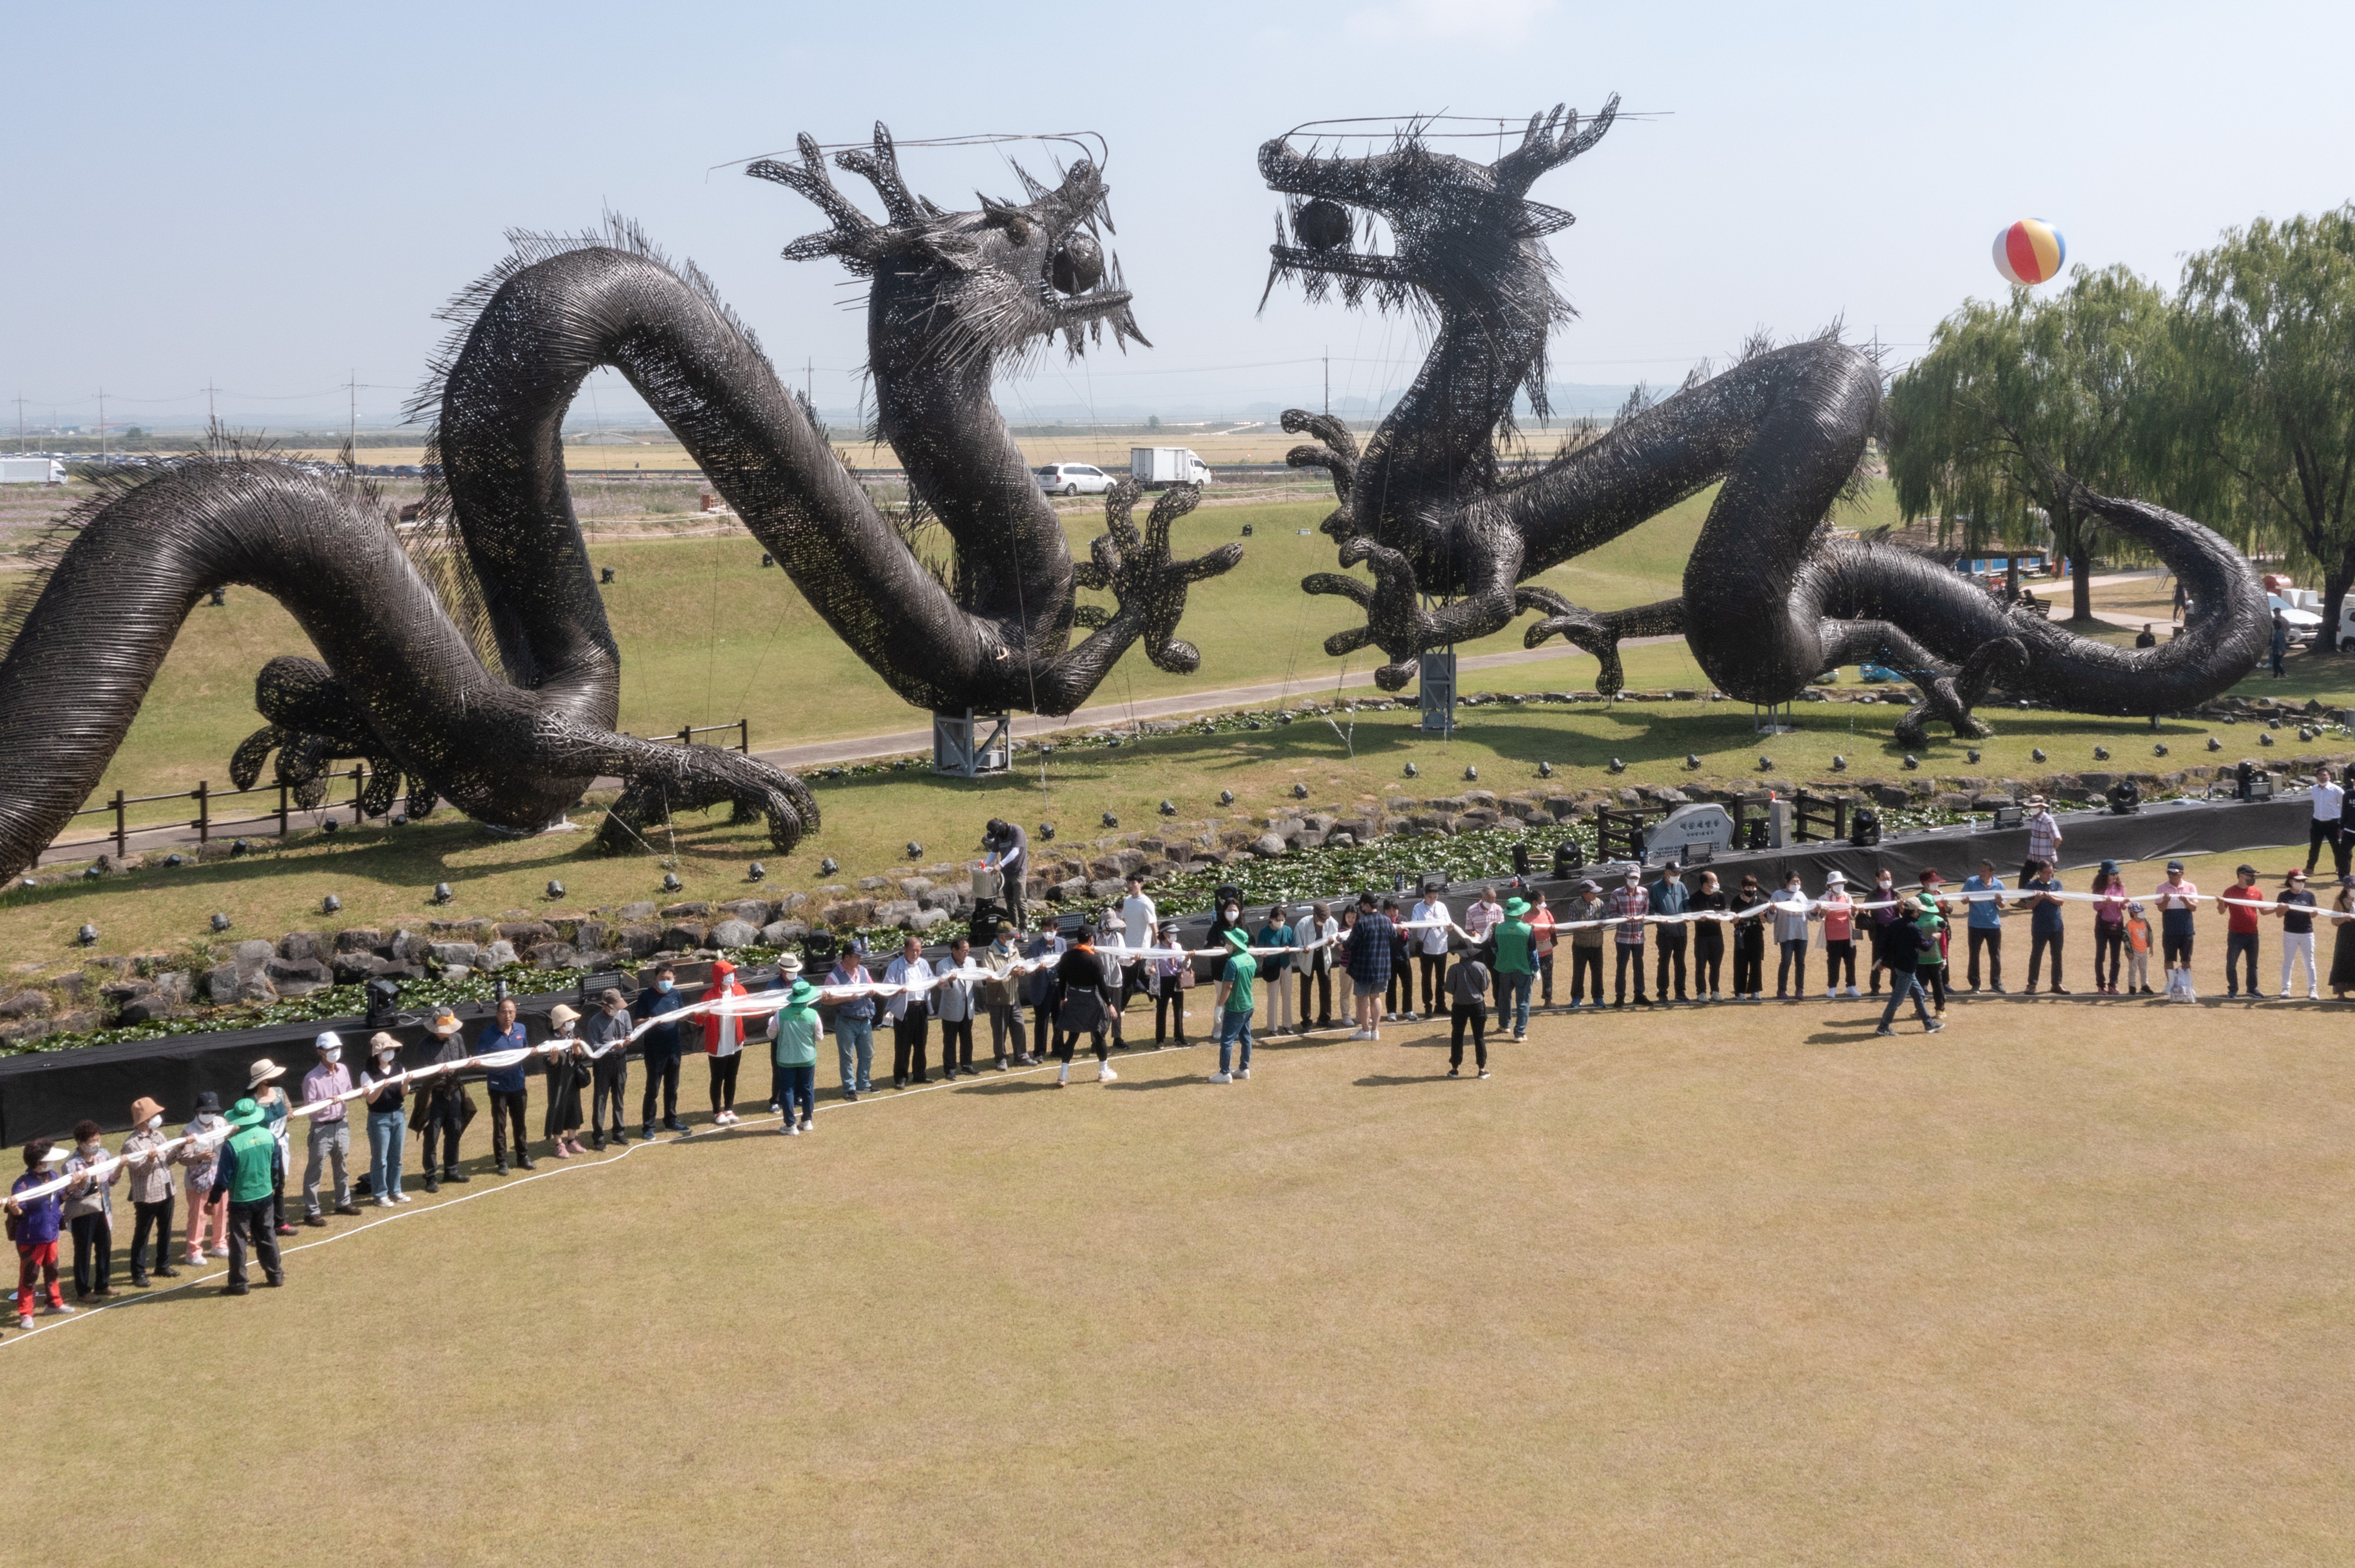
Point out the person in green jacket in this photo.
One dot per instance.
(249, 1173)
(794, 1048)
(1237, 981)
(1516, 964)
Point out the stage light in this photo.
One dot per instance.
(1545, 769)
(1300, 791)
(756, 871)
(1226, 797)
(1168, 807)
(220, 922)
(915, 850)
(671, 883)
(555, 888)
(442, 894)
(828, 866)
(87, 936)
(330, 905)
(1412, 771)
(1839, 763)
(1471, 774)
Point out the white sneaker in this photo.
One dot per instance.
(791, 1130)
(1222, 1078)
(1105, 1075)
(403, 1198)
(1831, 993)
(1363, 1034)
(1854, 993)
(1242, 1071)
(1063, 1078)
(384, 1202)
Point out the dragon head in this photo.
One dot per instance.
(1465, 233)
(960, 288)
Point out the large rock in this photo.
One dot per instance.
(631, 913)
(475, 931)
(24, 1004)
(693, 910)
(639, 940)
(735, 934)
(252, 957)
(894, 912)
(594, 935)
(525, 933)
(684, 935)
(554, 956)
(358, 968)
(225, 984)
(449, 953)
(754, 912)
(149, 1008)
(24, 1034)
(287, 973)
(497, 955)
(359, 940)
(924, 919)
(779, 933)
(408, 949)
(1268, 845)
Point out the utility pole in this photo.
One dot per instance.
(101, 422)
(809, 385)
(212, 417)
(20, 422)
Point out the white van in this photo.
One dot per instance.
(1072, 479)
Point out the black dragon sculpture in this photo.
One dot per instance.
(1771, 597)
(477, 663)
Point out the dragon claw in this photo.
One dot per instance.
(1146, 582)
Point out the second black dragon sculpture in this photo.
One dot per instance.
(1772, 598)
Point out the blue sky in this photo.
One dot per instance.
(276, 198)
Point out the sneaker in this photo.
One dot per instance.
(1222, 1077)
(1934, 1026)
(1105, 1075)
(454, 1174)
(315, 1220)
(559, 1152)
(1834, 993)
(1998, 989)
(1063, 1078)
(808, 1125)
(237, 1289)
(57, 1309)
(526, 1161)
(1884, 1029)
(403, 1198)
(791, 1129)
(24, 1323)
(1363, 1034)
(1243, 1072)
(385, 1204)
(2058, 991)
(347, 1208)
(1455, 1072)
(1484, 1072)
(218, 1252)
(646, 1133)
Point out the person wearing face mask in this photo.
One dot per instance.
(444, 1106)
(510, 1088)
(89, 1209)
(386, 1097)
(1229, 917)
(723, 1043)
(150, 1170)
(1003, 994)
(262, 1085)
(1708, 940)
(252, 1170)
(567, 1070)
(1749, 910)
(659, 1047)
(1791, 920)
(1629, 903)
(331, 1128)
(207, 1220)
(1884, 899)
(1671, 896)
(33, 1225)
(608, 1034)
(1044, 950)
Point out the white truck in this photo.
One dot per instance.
(31, 470)
(1155, 468)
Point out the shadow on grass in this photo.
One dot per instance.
(1396, 1080)
(1019, 1087)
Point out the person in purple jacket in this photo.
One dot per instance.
(34, 1224)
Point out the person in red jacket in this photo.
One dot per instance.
(723, 1043)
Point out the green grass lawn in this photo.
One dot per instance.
(2065, 1284)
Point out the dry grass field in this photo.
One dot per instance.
(2064, 1284)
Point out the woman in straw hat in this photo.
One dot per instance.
(443, 1106)
(151, 1189)
(568, 1070)
(262, 1088)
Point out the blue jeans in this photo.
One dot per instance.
(387, 1131)
(855, 1038)
(1903, 983)
(797, 1088)
(1232, 1027)
(1513, 1008)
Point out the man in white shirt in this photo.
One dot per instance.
(910, 1016)
(2329, 799)
(1141, 920)
(1431, 948)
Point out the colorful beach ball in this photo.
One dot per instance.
(2031, 251)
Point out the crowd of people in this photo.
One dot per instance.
(1042, 989)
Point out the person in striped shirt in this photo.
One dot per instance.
(2043, 837)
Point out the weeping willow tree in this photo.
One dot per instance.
(2014, 394)
(2261, 417)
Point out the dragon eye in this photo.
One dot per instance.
(1322, 225)
(1078, 266)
